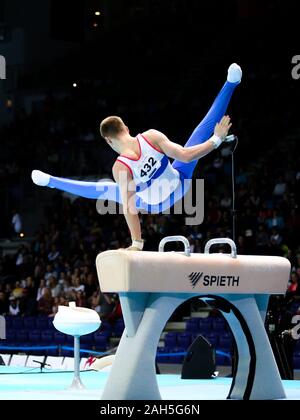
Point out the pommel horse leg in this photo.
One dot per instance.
(133, 375)
(257, 376)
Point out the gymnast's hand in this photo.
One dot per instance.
(136, 245)
(223, 127)
(133, 248)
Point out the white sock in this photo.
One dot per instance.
(40, 178)
(234, 73)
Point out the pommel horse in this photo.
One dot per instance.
(151, 285)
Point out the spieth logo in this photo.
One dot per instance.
(2, 328)
(2, 67)
(194, 278)
(219, 281)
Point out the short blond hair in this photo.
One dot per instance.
(112, 126)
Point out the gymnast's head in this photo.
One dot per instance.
(113, 130)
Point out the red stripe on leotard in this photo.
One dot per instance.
(127, 166)
(152, 145)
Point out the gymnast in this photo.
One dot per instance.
(143, 163)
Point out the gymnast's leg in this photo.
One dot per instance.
(104, 190)
(206, 128)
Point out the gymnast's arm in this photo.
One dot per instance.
(126, 184)
(188, 154)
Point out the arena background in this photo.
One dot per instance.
(157, 64)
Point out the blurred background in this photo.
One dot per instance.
(157, 64)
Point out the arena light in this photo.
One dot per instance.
(74, 85)
(97, 13)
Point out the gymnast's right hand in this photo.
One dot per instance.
(223, 127)
(137, 245)
(132, 248)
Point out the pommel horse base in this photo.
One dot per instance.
(151, 285)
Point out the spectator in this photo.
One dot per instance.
(107, 304)
(53, 254)
(49, 273)
(90, 284)
(80, 299)
(56, 304)
(62, 279)
(275, 221)
(45, 304)
(14, 308)
(94, 302)
(68, 288)
(226, 202)
(54, 287)
(275, 238)
(280, 187)
(29, 298)
(16, 223)
(262, 240)
(41, 289)
(18, 290)
(293, 285)
(77, 285)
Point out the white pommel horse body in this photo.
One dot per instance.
(151, 285)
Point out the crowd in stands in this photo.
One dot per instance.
(58, 266)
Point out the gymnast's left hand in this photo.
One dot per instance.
(136, 245)
(223, 127)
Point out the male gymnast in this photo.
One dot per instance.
(144, 177)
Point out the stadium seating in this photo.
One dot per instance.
(39, 331)
(171, 339)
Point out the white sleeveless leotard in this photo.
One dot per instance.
(152, 172)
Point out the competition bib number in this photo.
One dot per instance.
(148, 166)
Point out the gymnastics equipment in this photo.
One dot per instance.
(199, 361)
(151, 285)
(76, 321)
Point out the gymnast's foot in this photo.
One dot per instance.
(40, 178)
(234, 73)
